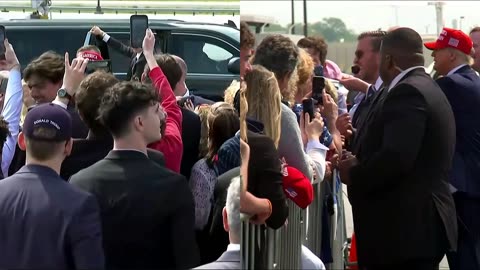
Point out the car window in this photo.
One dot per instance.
(31, 43)
(203, 54)
(121, 63)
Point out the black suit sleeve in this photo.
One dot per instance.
(156, 156)
(404, 114)
(85, 236)
(120, 47)
(185, 248)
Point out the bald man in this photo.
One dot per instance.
(398, 180)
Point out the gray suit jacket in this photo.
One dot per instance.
(228, 260)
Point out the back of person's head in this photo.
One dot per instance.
(317, 47)
(264, 100)
(203, 112)
(401, 49)
(301, 82)
(131, 109)
(89, 97)
(231, 212)
(50, 66)
(230, 92)
(46, 133)
(171, 69)
(223, 123)
(247, 39)
(405, 45)
(278, 54)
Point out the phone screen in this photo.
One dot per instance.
(138, 27)
(318, 84)
(2, 39)
(93, 66)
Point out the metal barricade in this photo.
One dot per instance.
(282, 248)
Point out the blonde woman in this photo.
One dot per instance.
(264, 105)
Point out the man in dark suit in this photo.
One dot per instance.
(398, 181)
(86, 152)
(230, 259)
(461, 85)
(47, 223)
(138, 59)
(147, 210)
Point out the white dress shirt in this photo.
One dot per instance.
(455, 69)
(233, 247)
(401, 75)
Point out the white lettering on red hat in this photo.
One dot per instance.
(453, 42)
(444, 33)
(291, 192)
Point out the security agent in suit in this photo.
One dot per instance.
(147, 210)
(398, 181)
(230, 259)
(46, 222)
(461, 85)
(138, 61)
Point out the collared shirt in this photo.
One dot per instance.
(130, 149)
(187, 93)
(455, 69)
(361, 96)
(233, 247)
(11, 112)
(401, 75)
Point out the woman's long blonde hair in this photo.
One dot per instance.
(264, 100)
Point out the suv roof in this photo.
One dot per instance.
(231, 32)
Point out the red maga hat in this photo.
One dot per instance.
(451, 38)
(91, 55)
(297, 187)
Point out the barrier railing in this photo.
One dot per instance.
(281, 249)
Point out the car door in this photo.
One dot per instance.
(120, 62)
(207, 58)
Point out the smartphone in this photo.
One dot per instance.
(138, 28)
(93, 66)
(307, 105)
(318, 84)
(3, 36)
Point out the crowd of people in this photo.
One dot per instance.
(100, 173)
(407, 146)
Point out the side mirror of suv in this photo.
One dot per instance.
(234, 65)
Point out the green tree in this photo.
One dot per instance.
(332, 29)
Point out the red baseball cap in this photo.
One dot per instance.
(451, 38)
(297, 187)
(91, 55)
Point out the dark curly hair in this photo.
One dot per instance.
(318, 44)
(278, 54)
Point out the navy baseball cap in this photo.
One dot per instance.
(48, 122)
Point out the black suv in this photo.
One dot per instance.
(211, 51)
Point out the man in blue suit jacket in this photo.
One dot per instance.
(461, 85)
(46, 223)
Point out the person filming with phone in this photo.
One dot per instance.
(134, 52)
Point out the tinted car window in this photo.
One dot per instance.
(204, 54)
(31, 43)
